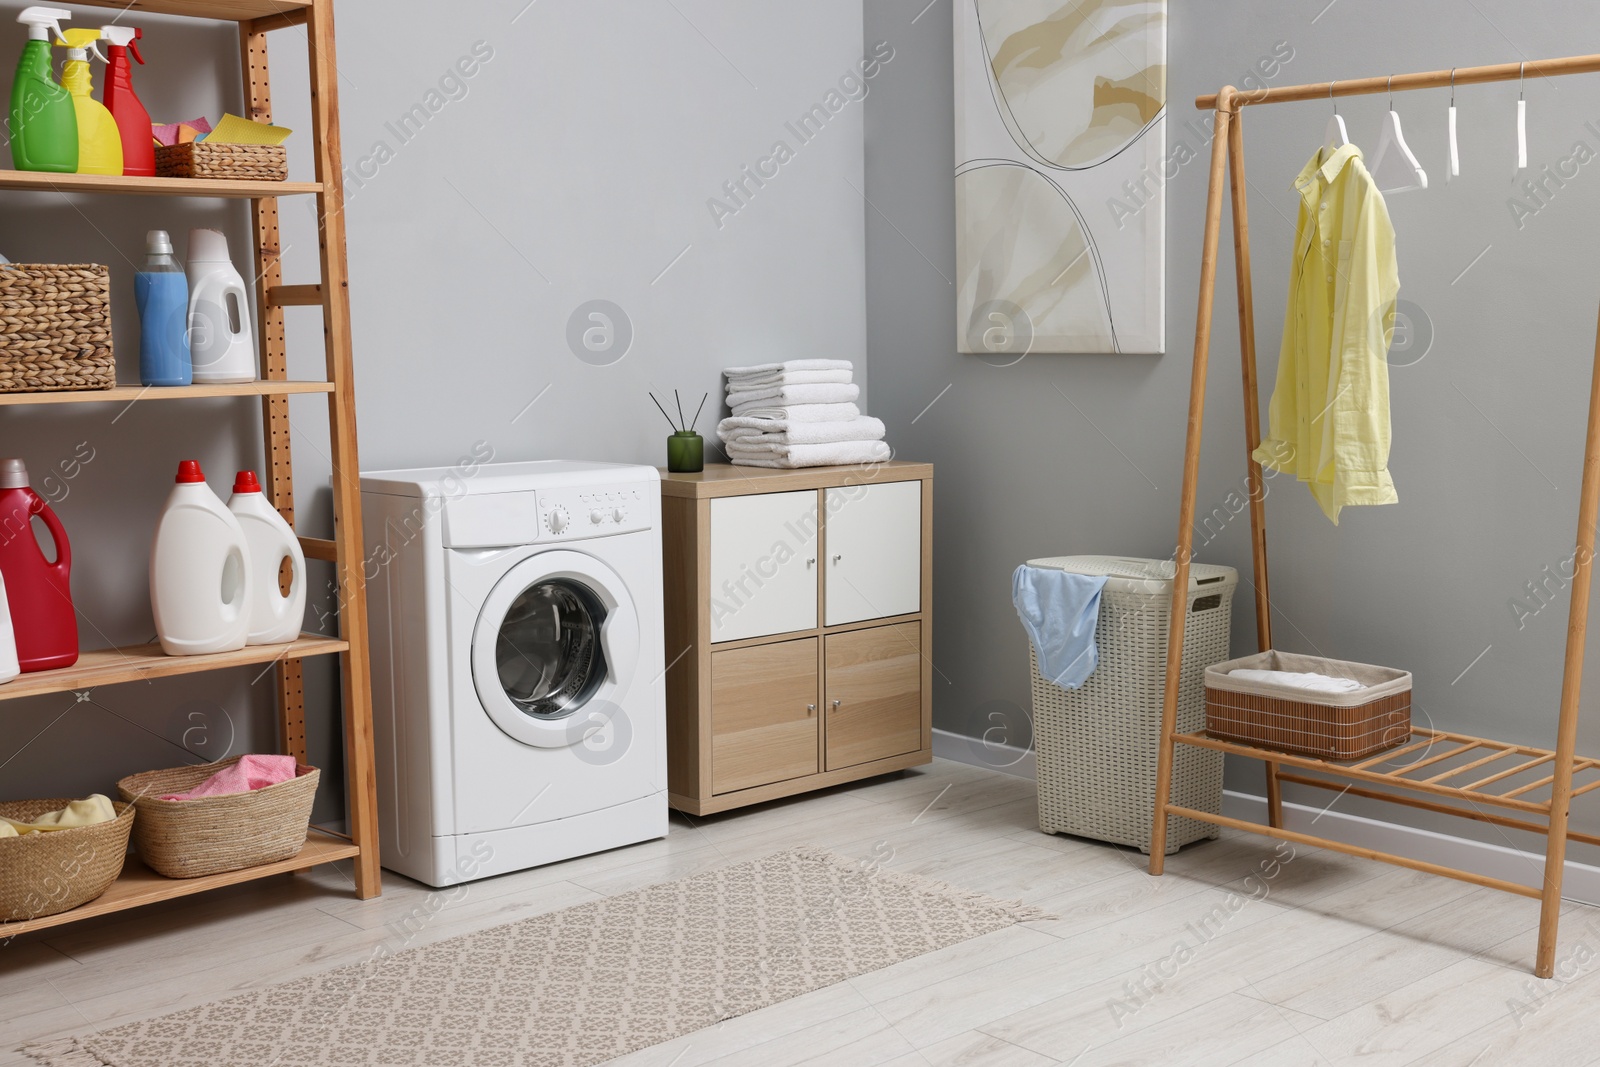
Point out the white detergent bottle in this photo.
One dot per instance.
(9, 667)
(199, 571)
(274, 618)
(221, 345)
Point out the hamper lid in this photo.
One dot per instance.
(1130, 574)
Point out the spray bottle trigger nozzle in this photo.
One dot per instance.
(134, 48)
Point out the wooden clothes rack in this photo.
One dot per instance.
(1498, 764)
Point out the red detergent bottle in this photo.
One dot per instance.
(39, 590)
(133, 121)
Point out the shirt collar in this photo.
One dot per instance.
(1327, 164)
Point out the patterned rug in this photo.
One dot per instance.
(577, 986)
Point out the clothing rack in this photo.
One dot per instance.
(1494, 766)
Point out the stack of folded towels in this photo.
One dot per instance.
(798, 414)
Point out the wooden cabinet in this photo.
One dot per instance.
(798, 617)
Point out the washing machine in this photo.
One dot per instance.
(517, 670)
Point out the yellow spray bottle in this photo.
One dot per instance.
(99, 140)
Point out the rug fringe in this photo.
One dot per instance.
(1015, 910)
(68, 1052)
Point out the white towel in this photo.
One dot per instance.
(783, 432)
(789, 365)
(1320, 683)
(782, 395)
(829, 455)
(746, 383)
(802, 412)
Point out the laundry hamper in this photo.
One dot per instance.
(1097, 745)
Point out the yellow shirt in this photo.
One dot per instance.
(1328, 421)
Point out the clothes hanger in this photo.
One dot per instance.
(1455, 155)
(1394, 166)
(1522, 120)
(1335, 135)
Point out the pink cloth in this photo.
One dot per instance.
(251, 772)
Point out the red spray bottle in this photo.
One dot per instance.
(39, 590)
(133, 121)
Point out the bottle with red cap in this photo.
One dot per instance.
(276, 616)
(39, 590)
(199, 571)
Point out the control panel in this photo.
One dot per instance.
(571, 514)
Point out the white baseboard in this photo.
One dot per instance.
(1581, 882)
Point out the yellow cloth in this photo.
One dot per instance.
(1328, 421)
(86, 812)
(6, 829)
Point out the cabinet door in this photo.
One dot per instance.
(763, 565)
(872, 693)
(874, 551)
(763, 714)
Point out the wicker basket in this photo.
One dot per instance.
(236, 162)
(1097, 745)
(51, 872)
(55, 327)
(208, 835)
(1333, 726)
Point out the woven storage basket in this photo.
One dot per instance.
(239, 162)
(48, 873)
(189, 838)
(1097, 745)
(1335, 726)
(55, 327)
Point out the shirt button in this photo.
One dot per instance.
(1330, 277)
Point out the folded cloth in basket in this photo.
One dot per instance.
(250, 773)
(802, 412)
(781, 395)
(833, 454)
(95, 808)
(1321, 683)
(748, 431)
(1059, 610)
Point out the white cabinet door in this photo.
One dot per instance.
(763, 565)
(874, 550)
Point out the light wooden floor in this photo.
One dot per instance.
(1331, 961)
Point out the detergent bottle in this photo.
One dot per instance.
(162, 293)
(99, 140)
(44, 123)
(39, 591)
(276, 616)
(9, 667)
(199, 571)
(221, 345)
(133, 121)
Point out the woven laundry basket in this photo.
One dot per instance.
(57, 870)
(1333, 726)
(1097, 745)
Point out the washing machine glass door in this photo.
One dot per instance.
(555, 642)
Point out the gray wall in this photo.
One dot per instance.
(573, 164)
(1082, 453)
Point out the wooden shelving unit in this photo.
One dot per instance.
(256, 20)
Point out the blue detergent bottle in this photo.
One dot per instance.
(162, 291)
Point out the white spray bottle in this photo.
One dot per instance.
(221, 344)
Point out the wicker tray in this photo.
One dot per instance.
(237, 162)
(1334, 726)
(49, 873)
(55, 327)
(190, 838)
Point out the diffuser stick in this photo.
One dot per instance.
(663, 411)
(697, 411)
(682, 425)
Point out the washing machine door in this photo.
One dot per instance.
(556, 640)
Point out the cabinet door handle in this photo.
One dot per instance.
(811, 709)
(836, 705)
(812, 562)
(836, 559)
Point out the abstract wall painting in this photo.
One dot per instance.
(1060, 172)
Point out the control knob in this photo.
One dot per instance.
(559, 520)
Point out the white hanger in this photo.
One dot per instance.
(1335, 136)
(1394, 166)
(1522, 121)
(1455, 154)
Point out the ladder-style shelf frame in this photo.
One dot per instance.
(1491, 763)
(256, 19)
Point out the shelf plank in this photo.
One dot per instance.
(128, 394)
(139, 885)
(223, 10)
(125, 186)
(110, 666)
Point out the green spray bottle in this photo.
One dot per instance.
(44, 122)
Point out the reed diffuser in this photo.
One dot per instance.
(686, 449)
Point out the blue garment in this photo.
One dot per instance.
(1059, 610)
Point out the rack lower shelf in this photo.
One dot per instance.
(110, 666)
(139, 885)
